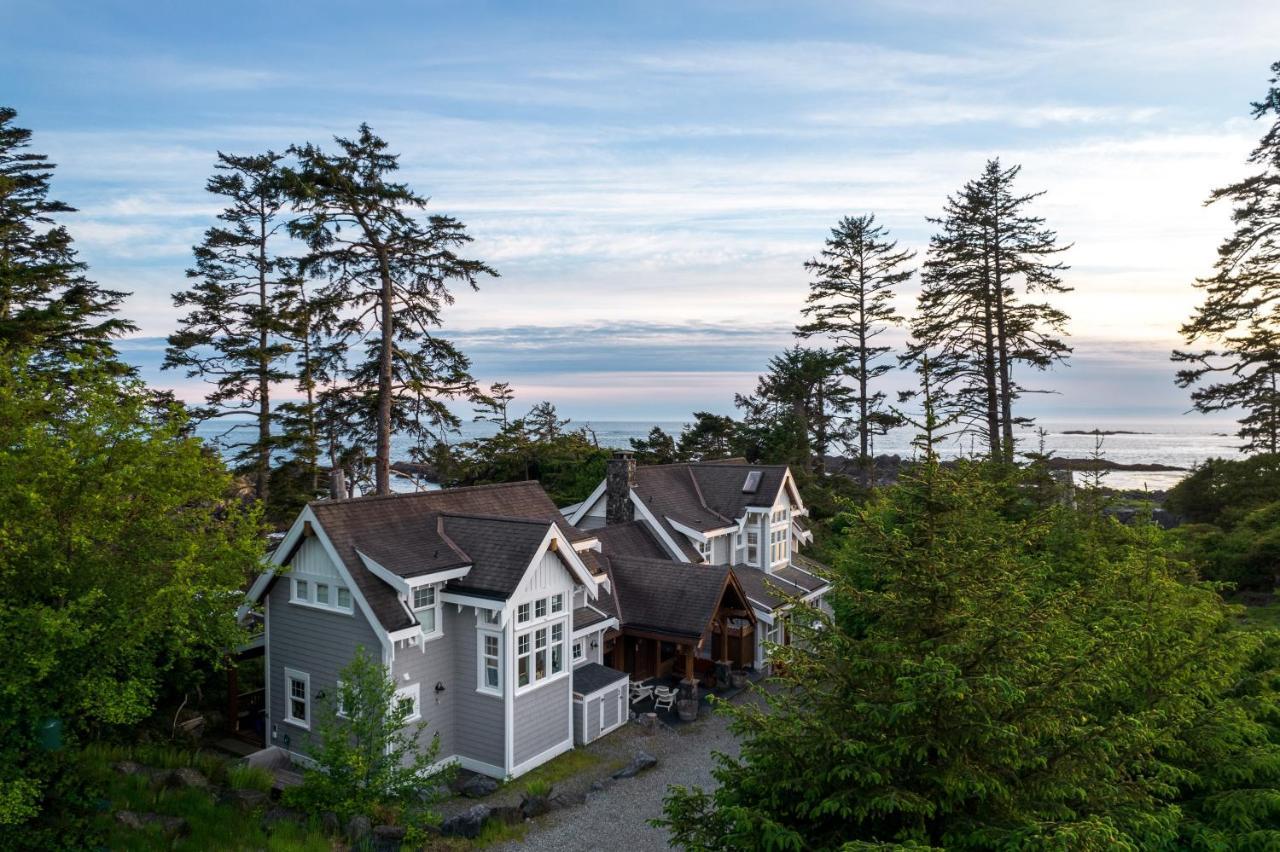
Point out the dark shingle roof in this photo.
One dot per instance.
(800, 577)
(500, 550)
(706, 495)
(630, 539)
(773, 590)
(585, 616)
(593, 677)
(667, 597)
(402, 533)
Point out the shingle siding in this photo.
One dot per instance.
(479, 730)
(542, 718)
(313, 641)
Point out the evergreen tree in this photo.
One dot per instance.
(851, 301)
(709, 437)
(973, 317)
(231, 335)
(391, 275)
(1240, 316)
(657, 448)
(804, 393)
(542, 424)
(48, 306)
(492, 407)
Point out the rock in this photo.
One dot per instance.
(181, 779)
(170, 826)
(466, 824)
(129, 819)
(246, 800)
(534, 806)
(128, 767)
(388, 838)
(597, 786)
(330, 824)
(565, 800)
(642, 761)
(278, 815)
(508, 815)
(479, 786)
(358, 828)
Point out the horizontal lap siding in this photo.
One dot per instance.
(479, 729)
(542, 718)
(427, 664)
(313, 641)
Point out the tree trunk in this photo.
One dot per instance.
(989, 363)
(382, 463)
(1002, 336)
(264, 362)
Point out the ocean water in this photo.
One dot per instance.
(1181, 442)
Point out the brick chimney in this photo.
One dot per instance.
(619, 479)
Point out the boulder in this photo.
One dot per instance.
(534, 806)
(129, 819)
(129, 767)
(170, 826)
(565, 800)
(388, 838)
(478, 786)
(330, 824)
(278, 815)
(358, 828)
(246, 800)
(467, 824)
(182, 779)
(507, 815)
(642, 761)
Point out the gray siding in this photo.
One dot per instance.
(542, 718)
(427, 664)
(313, 641)
(596, 713)
(479, 729)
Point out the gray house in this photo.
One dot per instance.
(484, 604)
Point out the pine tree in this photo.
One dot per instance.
(231, 335)
(542, 424)
(47, 304)
(1240, 316)
(973, 316)
(391, 273)
(851, 302)
(709, 437)
(658, 448)
(492, 407)
(802, 393)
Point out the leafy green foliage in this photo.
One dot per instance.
(368, 758)
(993, 679)
(121, 565)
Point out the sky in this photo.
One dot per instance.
(649, 178)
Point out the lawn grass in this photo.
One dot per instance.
(571, 763)
(1261, 617)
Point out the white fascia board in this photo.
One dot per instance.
(587, 544)
(598, 627)
(585, 506)
(696, 534)
(789, 482)
(675, 549)
(564, 548)
(765, 615)
(405, 585)
(274, 561)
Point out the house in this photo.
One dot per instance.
(708, 523)
(481, 602)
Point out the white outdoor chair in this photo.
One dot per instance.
(664, 698)
(640, 691)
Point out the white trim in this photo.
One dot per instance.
(413, 691)
(313, 583)
(569, 556)
(582, 508)
(475, 766)
(697, 534)
(404, 585)
(598, 627)
(657, 527)
(482, 632)
(462, 600)
(553, 752)
(291, 675)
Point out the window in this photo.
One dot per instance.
(490, 663)
(577, 650)
(408, 695)
(425, 606)
(522, 659)
(557, 603)
(557, 648)
(424, 596)
(489, 616)
(753, 547)
(704, 548)
(322, 595)
(780, 516)
(540, 654)
(540, 608)
(522, 614)
(777, 546)
(297, 692)
(338, 703)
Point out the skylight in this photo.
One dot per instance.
(752, 483)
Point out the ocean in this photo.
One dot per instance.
(1180, 442)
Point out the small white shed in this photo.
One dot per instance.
(599, 701)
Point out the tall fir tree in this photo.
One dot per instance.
(48, 306)
(492, 407)
(1239, 319)
(391, 273)
(232, 335)
(975, 314)
(851, 302)
(800, 408)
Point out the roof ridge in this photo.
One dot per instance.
(477, 516)
(371, 498)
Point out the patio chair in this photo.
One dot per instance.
(664, 698)
(640, 691)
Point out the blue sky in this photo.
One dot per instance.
(649, 178)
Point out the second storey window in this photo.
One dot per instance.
(425, 607)
(777, 546)
(297, 698)
(323, 594)
(490, 663)
(753, 547)
(539, 654)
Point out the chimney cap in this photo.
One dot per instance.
(623, 455)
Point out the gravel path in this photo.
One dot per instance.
(625, 807)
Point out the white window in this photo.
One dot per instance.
(297, 698)
(426, 605)
(490, 616)
(522, 614)
(704, 549)
(777, 546)
(490, 663)
(408, 695)
(557, 603)
(753, 547)
(321, 595)
(338, 703)
(557, 648)
(577, 650)
(540, 608)
(540, 654)
(424, 596)
(780, 515)
(523, 643)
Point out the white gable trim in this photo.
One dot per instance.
(586, 505)
(657, 527)
(568, 556)
(698, 535)
(405, 585)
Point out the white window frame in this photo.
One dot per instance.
(434, 608)
(779, 545)
(753, 544)
(414, 693)
(291, 675)
(338, 709)
(524, 613)
(482, 659)
(578, 651)
(308, 597)
(557, 603)
(531, 634)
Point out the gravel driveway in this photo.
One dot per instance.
(625, 807)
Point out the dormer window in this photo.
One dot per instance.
(426, 606)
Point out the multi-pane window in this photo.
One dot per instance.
(577, 650)
(301, 591)
(297, 691)
(557, 648)
(344, 598)
(522, 613)
(753, 547)
(323, 595)
(407, 699)
(557, 603)
(704, 549)
(490, 662)
(780, 515)
(425, 607)
(523, 641)
(540, 608)
(540, 654)
(424, 596)
(777, 546)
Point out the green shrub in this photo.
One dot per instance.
(244, 777)
(538, 789)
